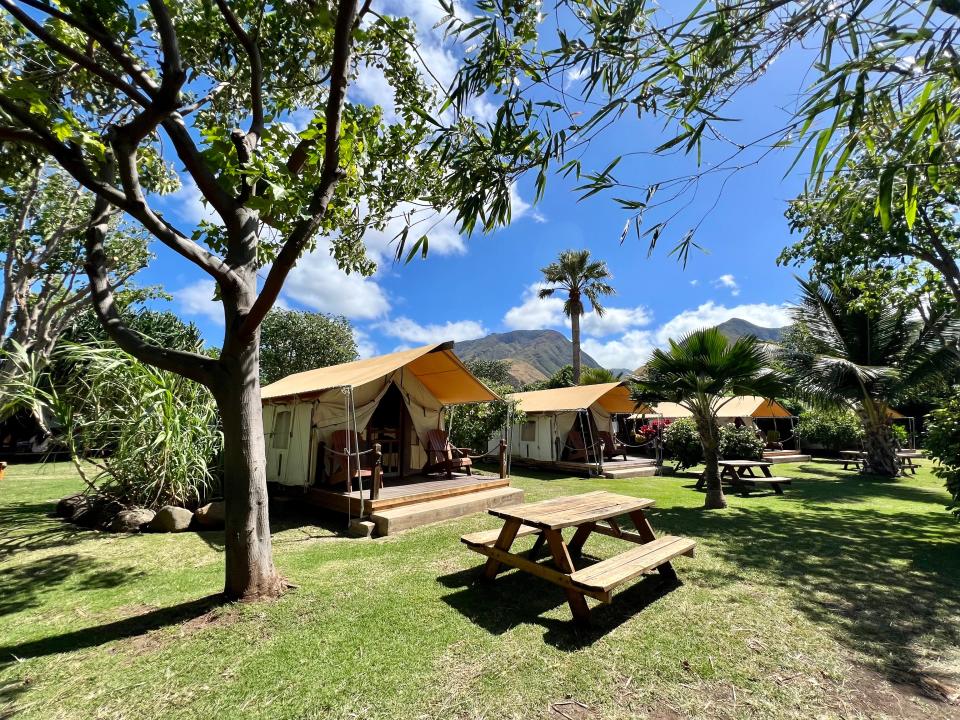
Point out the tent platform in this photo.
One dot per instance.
(630, 468)
(419, 500)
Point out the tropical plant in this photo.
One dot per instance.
(859, 360)
(681, 441)
(560, 379)
(943, 443)
(598, 376)
(293, 341)
(701, 372)
(831, 429)
(580, 280)
(118, 95)
(741, 443)
(474, 426)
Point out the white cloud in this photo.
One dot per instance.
(628, 351)
(534, 313)
(319, 284)
(694, 283)
(728, 281)
(187, 205)
(197, 299)
(615, 320)
(413, 332)
(365, 345)
(520, 207)
(441, 229)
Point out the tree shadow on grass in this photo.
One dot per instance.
(519, 598)
(119, 630)
(883, 583)
(28, 526)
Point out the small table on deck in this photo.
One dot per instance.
(740, 474)
(548, 518)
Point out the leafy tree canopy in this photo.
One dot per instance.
(293, 341)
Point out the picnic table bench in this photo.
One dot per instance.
(593, 512)
(857, 458)
(741, 476)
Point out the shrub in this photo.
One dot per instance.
(682, 443)
(943, 442)
(646, 433)
(900, 435)
(831, 429)
(740, 443)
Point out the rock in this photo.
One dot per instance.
(170, 518)
(361, 528)
(210, 516)
(68, 506)
(132, 520)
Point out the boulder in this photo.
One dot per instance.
(130, 521)
(210, 516)
(170, 518)
(68, 506)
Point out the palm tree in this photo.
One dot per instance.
(702, 372)
(860, 360)
(599, 376)
(579, 277)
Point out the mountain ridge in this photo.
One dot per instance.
(533, 354)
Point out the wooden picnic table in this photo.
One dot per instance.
(857, 457)
(585, 512)
(742, 476)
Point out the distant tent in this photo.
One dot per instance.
(747, 407)
(303, 410)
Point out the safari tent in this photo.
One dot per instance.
(749, 408)
(550, 416)
(393, 401)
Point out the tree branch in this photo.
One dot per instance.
(194, 366)
(330, 173)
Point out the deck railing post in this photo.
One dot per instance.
(503, 457)
(600, 458)
(377, 472)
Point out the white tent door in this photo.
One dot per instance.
(288, 443)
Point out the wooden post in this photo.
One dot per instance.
(503, 458)
(377, 472)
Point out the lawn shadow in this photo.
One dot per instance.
(883, 583)
(30, 526)
(118, 630)
(519, 598)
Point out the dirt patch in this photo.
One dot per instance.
(866, 693)
(155, 640)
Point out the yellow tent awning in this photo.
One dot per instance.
(613, 397)
(440, 371)
(741, 406)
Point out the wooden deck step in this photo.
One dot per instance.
(606, 575)
(393, 520)
(787, 458)
(489, 537)
(647, 470)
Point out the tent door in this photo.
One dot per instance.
(389, 426)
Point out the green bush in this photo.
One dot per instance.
(943, 442)
(901, 435)
(740, 443)
(831, 429)
(681, 440)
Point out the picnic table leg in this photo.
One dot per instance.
(701, 480)
(507, 535)
(642, 525)
(575, 546)
(766, 471)
(561, 557)
(537, 545)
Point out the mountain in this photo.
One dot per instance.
(735, 328)
(534, 354)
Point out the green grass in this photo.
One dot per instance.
(821, 603)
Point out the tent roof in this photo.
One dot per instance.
(435, 366)
(613, 397)
(740, 406)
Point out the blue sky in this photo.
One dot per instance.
(469, 287)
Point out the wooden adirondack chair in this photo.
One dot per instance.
(577, 450)
(338, 463)
(612, 447)
(443, 457)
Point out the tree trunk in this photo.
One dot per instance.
(250, 574)
(878, 442)
(575, 339)
(710, 442)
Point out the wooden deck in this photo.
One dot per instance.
(632, 467)
(398, 493)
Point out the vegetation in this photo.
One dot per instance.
(681, 441)
(795, 596)
(580, 280)
(598, 376)
(943, 443)
(859, 359)
(560, 379)
(740, 443)
(474, 426)
(700, 371)
(832, 429)
(293, 341)
(115, 97)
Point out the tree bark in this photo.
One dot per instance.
(878, 442)
(575, 339)
(250, 573)
(710, 441)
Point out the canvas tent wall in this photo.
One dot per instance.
(551, 414)
(300, 411)
(747, 407)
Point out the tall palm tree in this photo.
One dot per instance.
(580, 278)
(862, 360)
(599, 376)
(702, 372)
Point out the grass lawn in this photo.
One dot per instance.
(839, 600)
